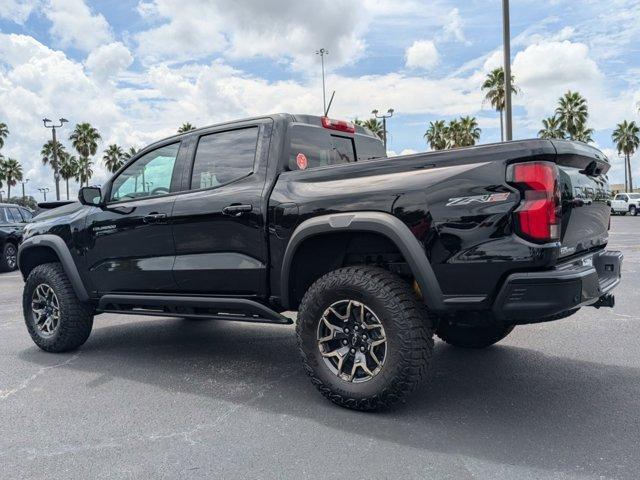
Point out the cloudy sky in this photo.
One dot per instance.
(138, 69)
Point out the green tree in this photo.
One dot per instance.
(436, 135)
(4, 132)
(113, 158)
(68, 169)
(469, 131)
(573, 112)
(132, 152)
(626, 136)
(85, 140)
(493, 87)
(84, 171)
(375, 126)
(186, 127)
(48, 157)
(12, 173)
(551, 128)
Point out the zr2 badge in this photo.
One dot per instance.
(491, 198)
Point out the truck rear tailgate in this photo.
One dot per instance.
(585, 197)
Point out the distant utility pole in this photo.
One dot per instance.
(26, 180)
(322, 52)
(2, 192)
(54, 151)
(384, 117)
(44, 192)
(506, 34)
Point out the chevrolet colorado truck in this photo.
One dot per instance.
(249, 219)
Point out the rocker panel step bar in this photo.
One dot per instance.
(237, 309)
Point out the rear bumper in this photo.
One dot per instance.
(532, 296)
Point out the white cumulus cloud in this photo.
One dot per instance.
(73, 24)
(422, 54)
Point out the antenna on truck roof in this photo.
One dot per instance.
(326, 113)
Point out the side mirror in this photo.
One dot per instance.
(91, 196)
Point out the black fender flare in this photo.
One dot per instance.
(58, 245)
(383, 223)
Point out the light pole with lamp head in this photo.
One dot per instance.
(384, 117)
(322, 52)
(25, 181)
(2, 192)
(506, 37)
(44, 191)
(56, 167)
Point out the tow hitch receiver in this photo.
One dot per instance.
(606, 300)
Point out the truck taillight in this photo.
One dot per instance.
(339, 125)
(538, 216)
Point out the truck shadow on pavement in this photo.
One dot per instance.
(505, 404)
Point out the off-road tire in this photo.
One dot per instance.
(472, 337)
(406, 323)
(76, 318)
(8, 250)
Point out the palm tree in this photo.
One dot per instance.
(584, 134)
(4, 132)
(186, 127)
(83, 172)
(551, 128)
(375, 126)
(113, 158)
(436, 135)
(85, 140)
(68, 168)
(469, 131)
(12, 173)
(132, 152)
(495, 94)
(51, 155)
(627, 139)
(573, 112)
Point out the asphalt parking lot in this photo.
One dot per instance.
(170, 398)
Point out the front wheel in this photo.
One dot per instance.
(472, 337)
(9, 259)
(364, 337)
(56, 320)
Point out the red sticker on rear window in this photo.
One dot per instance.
(301, 160)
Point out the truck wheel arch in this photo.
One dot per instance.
(380, 223)
(50, 248)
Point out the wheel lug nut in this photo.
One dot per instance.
(346, 330)
(353, 350)
(356, 327)
(362, 349)
(344, 342)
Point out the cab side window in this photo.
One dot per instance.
(13, 214)
(26, 214)
(224, 157)
(148, 176)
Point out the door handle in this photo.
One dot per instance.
(154, 217)
(236, 210)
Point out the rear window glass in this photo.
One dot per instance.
(369, 148)
(224, 157)
(635, 196)
(320, 147)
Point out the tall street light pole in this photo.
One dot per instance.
(56, 167)
(44, 191)
(2, 193)
(506, 34)
(384, 117)
(322, 52)
(25, 181)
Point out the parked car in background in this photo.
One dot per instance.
(12, 221)
(624, 203)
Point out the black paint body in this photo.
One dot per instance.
(199, 249)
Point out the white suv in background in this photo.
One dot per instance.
(624, 203)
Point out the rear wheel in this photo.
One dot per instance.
(9, 259)
(56, 320)
(472, 337)
(364, 337)
(633, 210)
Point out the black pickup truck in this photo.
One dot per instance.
(249, 219)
